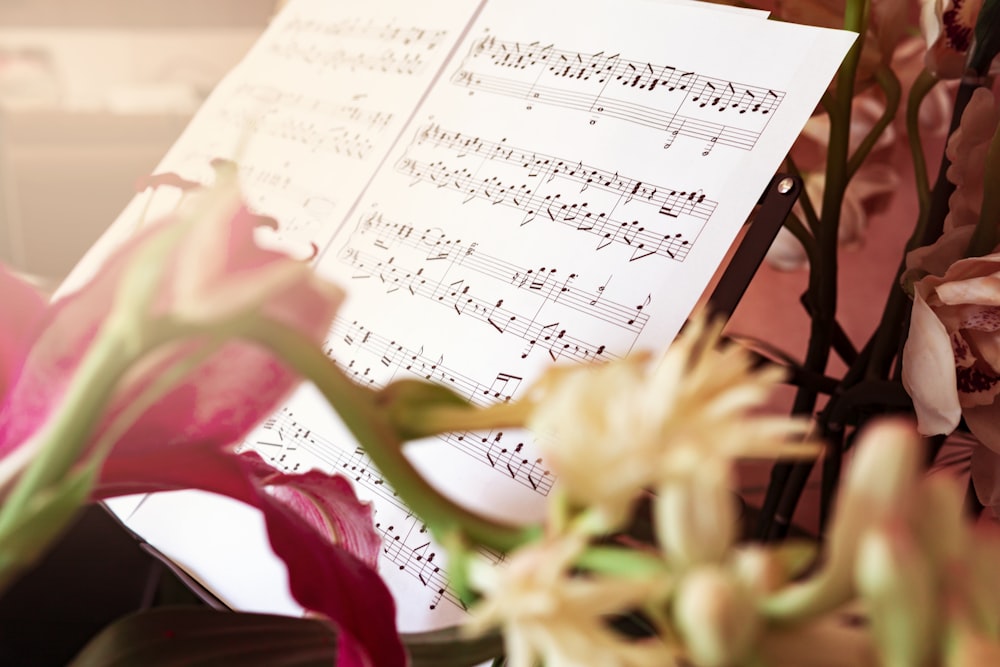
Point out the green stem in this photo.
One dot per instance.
(889, 84)
(358, 408)
(629, 563)
(823, 273)
(923, 85)
(437, 419)
(886, 337)
(68, 428)
(984, 239)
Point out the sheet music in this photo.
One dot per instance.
(562, 194)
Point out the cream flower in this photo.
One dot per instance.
(550, 615)
(611, 431)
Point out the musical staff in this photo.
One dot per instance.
(513, 462)
(390, 359)
(409, 547)
(313, 133)
(549, 284)
(536, 194)
(418, 560)
(716, 111)
(357, 28)
(553, 337)
(266, 97)
(397, 358)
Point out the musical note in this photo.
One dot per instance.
(574, 80)
(578, 214)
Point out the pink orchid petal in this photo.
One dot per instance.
(185, 439)
(938, 257)
(327, 503)
(65, 335)
(982, 290)
(929, 372)
(21, 310)
(984, 338)
(216, 404)
(323, 576)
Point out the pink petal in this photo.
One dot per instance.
(327, 503)
(21, 310)
(981, 290)
(323, 576)
(929, 371)
(937, 258)
(185, 439)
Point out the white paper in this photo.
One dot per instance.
(563, 193)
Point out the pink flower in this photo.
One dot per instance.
(966, 149)
(951, 361)
(948, 27)
(212, 272)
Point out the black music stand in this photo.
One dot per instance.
(774, 206)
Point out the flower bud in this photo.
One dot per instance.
(880, 482)
(696, 518)
(716, 617)
(896, 581)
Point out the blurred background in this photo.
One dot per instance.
(92, 94)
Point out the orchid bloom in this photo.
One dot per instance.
(951, 361)
(948, 27)
(886, 26)
(183, 391)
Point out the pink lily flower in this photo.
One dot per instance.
(212, 273)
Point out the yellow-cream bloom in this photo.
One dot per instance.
(610, 431)
(550, 616)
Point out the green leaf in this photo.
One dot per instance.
(41, 520)
(448, 647)
(190, 635)
(170, 636)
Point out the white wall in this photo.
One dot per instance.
(83, 113)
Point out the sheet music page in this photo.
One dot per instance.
(309, 113)
(562, 195)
